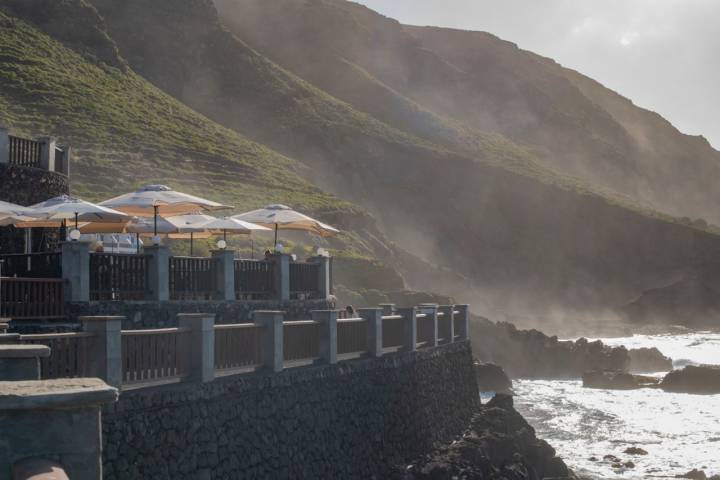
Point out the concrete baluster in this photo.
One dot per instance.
(431, 310)
(47, 153)
(225, 273)
(21, 362)
(409, 328)
(272, 344)
(448, 321)
(202, 345)
(4, 146)
(463, 324)
(328, 334)
(373, 316)
(76, 271)
(281, 271)
(158, 272)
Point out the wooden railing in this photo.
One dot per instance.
(152, 355)
(301, 340)
(425, 329)
(304, 280)
(193, 278)
(68, 353)
(352, 336)
(254, 279)
(33, 265)
(117, 277)
(24, 152)
(393, 331)
(32, 298)
(238, 346)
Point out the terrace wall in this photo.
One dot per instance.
(349, 420)
(152, 314)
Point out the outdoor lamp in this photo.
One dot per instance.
(279, 248)
(74, 235)
(156, 240)
(221, 244)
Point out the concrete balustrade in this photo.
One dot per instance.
(105, 351)
(409, 328)
(373, 316)
(76, 271)
(272, 339)
(158, 272)
(202, 345)
(21, 362)
(225, 273)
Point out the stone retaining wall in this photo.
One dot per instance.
(152, 314)
(349, 420)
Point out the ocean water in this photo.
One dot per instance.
(679, 431)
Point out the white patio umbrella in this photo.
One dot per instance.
(228, 224)
(281, 217)
(156, 200)
(192, 225)
(56, 211)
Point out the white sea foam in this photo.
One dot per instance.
(679, 431)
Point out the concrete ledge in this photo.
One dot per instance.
(52, 394)
(38, 469)
(24, 351)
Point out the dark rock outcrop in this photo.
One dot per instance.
(616, 380)
(649, 360)
(702, 379)
(492, 378)
(499, 444)
(532, 354)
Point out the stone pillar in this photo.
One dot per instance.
(65, 167)
(202, 345)
(158, 275)
(272, 347)
(328, 334)
(76, 271)
(9, 338)
(281, 271)
(105, 350)
(324, 277)
(431, 310)
(373, 316)
(4, 146)
(56, 420)
(463, 321)
(47, 154)
(225, 273)
(21, 362)
(448, 321)
(410, 328)
(387, 308)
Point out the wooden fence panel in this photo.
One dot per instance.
(32, 298)
(393, 331)
(254, 279)
(153, 355)
(193, 278)
(238, 346)
(68, 353)
(352, 336)
(304, 280)
(33, 265)
(301, 340)
(117, 276)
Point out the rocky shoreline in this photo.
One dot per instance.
(498, 444)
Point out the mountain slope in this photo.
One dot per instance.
(512, 237)
(573, 124)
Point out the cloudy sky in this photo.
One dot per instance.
(662, 54)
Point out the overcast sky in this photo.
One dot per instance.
(662, 54)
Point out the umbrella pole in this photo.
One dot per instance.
(276, 234)
(137, 243)
(224, 235)
(252, 248)
(76, 220)
(155, 211)
(191, 244)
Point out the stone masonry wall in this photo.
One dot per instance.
(141, 315)
(26, 186)
(350, 420)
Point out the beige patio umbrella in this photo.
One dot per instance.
(281, 217)
(11, 210)
(160, 200)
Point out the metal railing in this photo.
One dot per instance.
(301, 340)
(352, 336)
(393, 331)
(152, 355)
(32, 265)
(304, 280)
(24, 152)
(254, 279)
(193, 278)
(238, 346)
(32, 298)
(69, 353)
(117, 276)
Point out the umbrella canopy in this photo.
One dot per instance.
(159, 199)
(281, 217)
(11, 214)
(52, 212)
(146, 226)
(233, 225)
